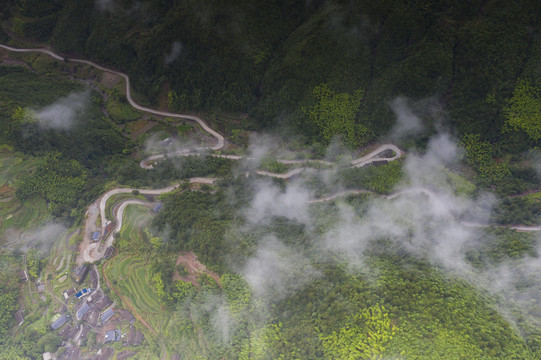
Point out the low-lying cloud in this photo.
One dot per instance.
(63, 113)
(174, 54)
(276, 270)
(46, 236)
(105, 5)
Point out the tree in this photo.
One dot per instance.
(334, 115)
(364, 336)
(34, 263)
(523, 111)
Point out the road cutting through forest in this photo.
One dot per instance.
(91, 252)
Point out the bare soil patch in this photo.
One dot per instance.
(140, 127)
(194, 267)
(109, 80)
(5, 189)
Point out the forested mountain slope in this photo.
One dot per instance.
(267, 57)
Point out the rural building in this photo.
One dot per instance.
(70, 292)
(125, 315)
(110, 226)
(72, 353)
(175, 357)
(41, 287)
(109, 252)
(135, 337)
(113, 335)
(47, 356)
(126, 354)
(107, 315)
(23, 275)
(94, 298)
(68, 332)
(80, 272)
(19, 318)
(104, 354)
(59, 322)
(104, 303)
(82, 310)
(92, 317)
(95, 236)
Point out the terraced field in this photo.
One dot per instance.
(131, 278)
(129, 274)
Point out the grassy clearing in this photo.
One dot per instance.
(122, 112)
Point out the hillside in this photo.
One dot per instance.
(270, 180)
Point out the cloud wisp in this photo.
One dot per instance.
(63, 113)
(174, 54)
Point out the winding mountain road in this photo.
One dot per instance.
(220, 142)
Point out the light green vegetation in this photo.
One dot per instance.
(130, 276)
(269, 164)
(334, 115)
(524, 109)
(117, 198)
(120, 110)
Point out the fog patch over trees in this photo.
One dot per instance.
(63, 113)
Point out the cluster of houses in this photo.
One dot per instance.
(92, 312)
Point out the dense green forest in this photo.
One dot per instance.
(366, 275)
(281, 61)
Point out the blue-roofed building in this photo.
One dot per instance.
(82, 311)
(96, 236)
(107, 314)
(59, 322)
(83, 293)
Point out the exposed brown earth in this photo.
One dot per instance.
(194, 267)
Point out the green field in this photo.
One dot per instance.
(121, 112)
(115, 199)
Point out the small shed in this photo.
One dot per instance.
(23, 276)
(156, 209)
